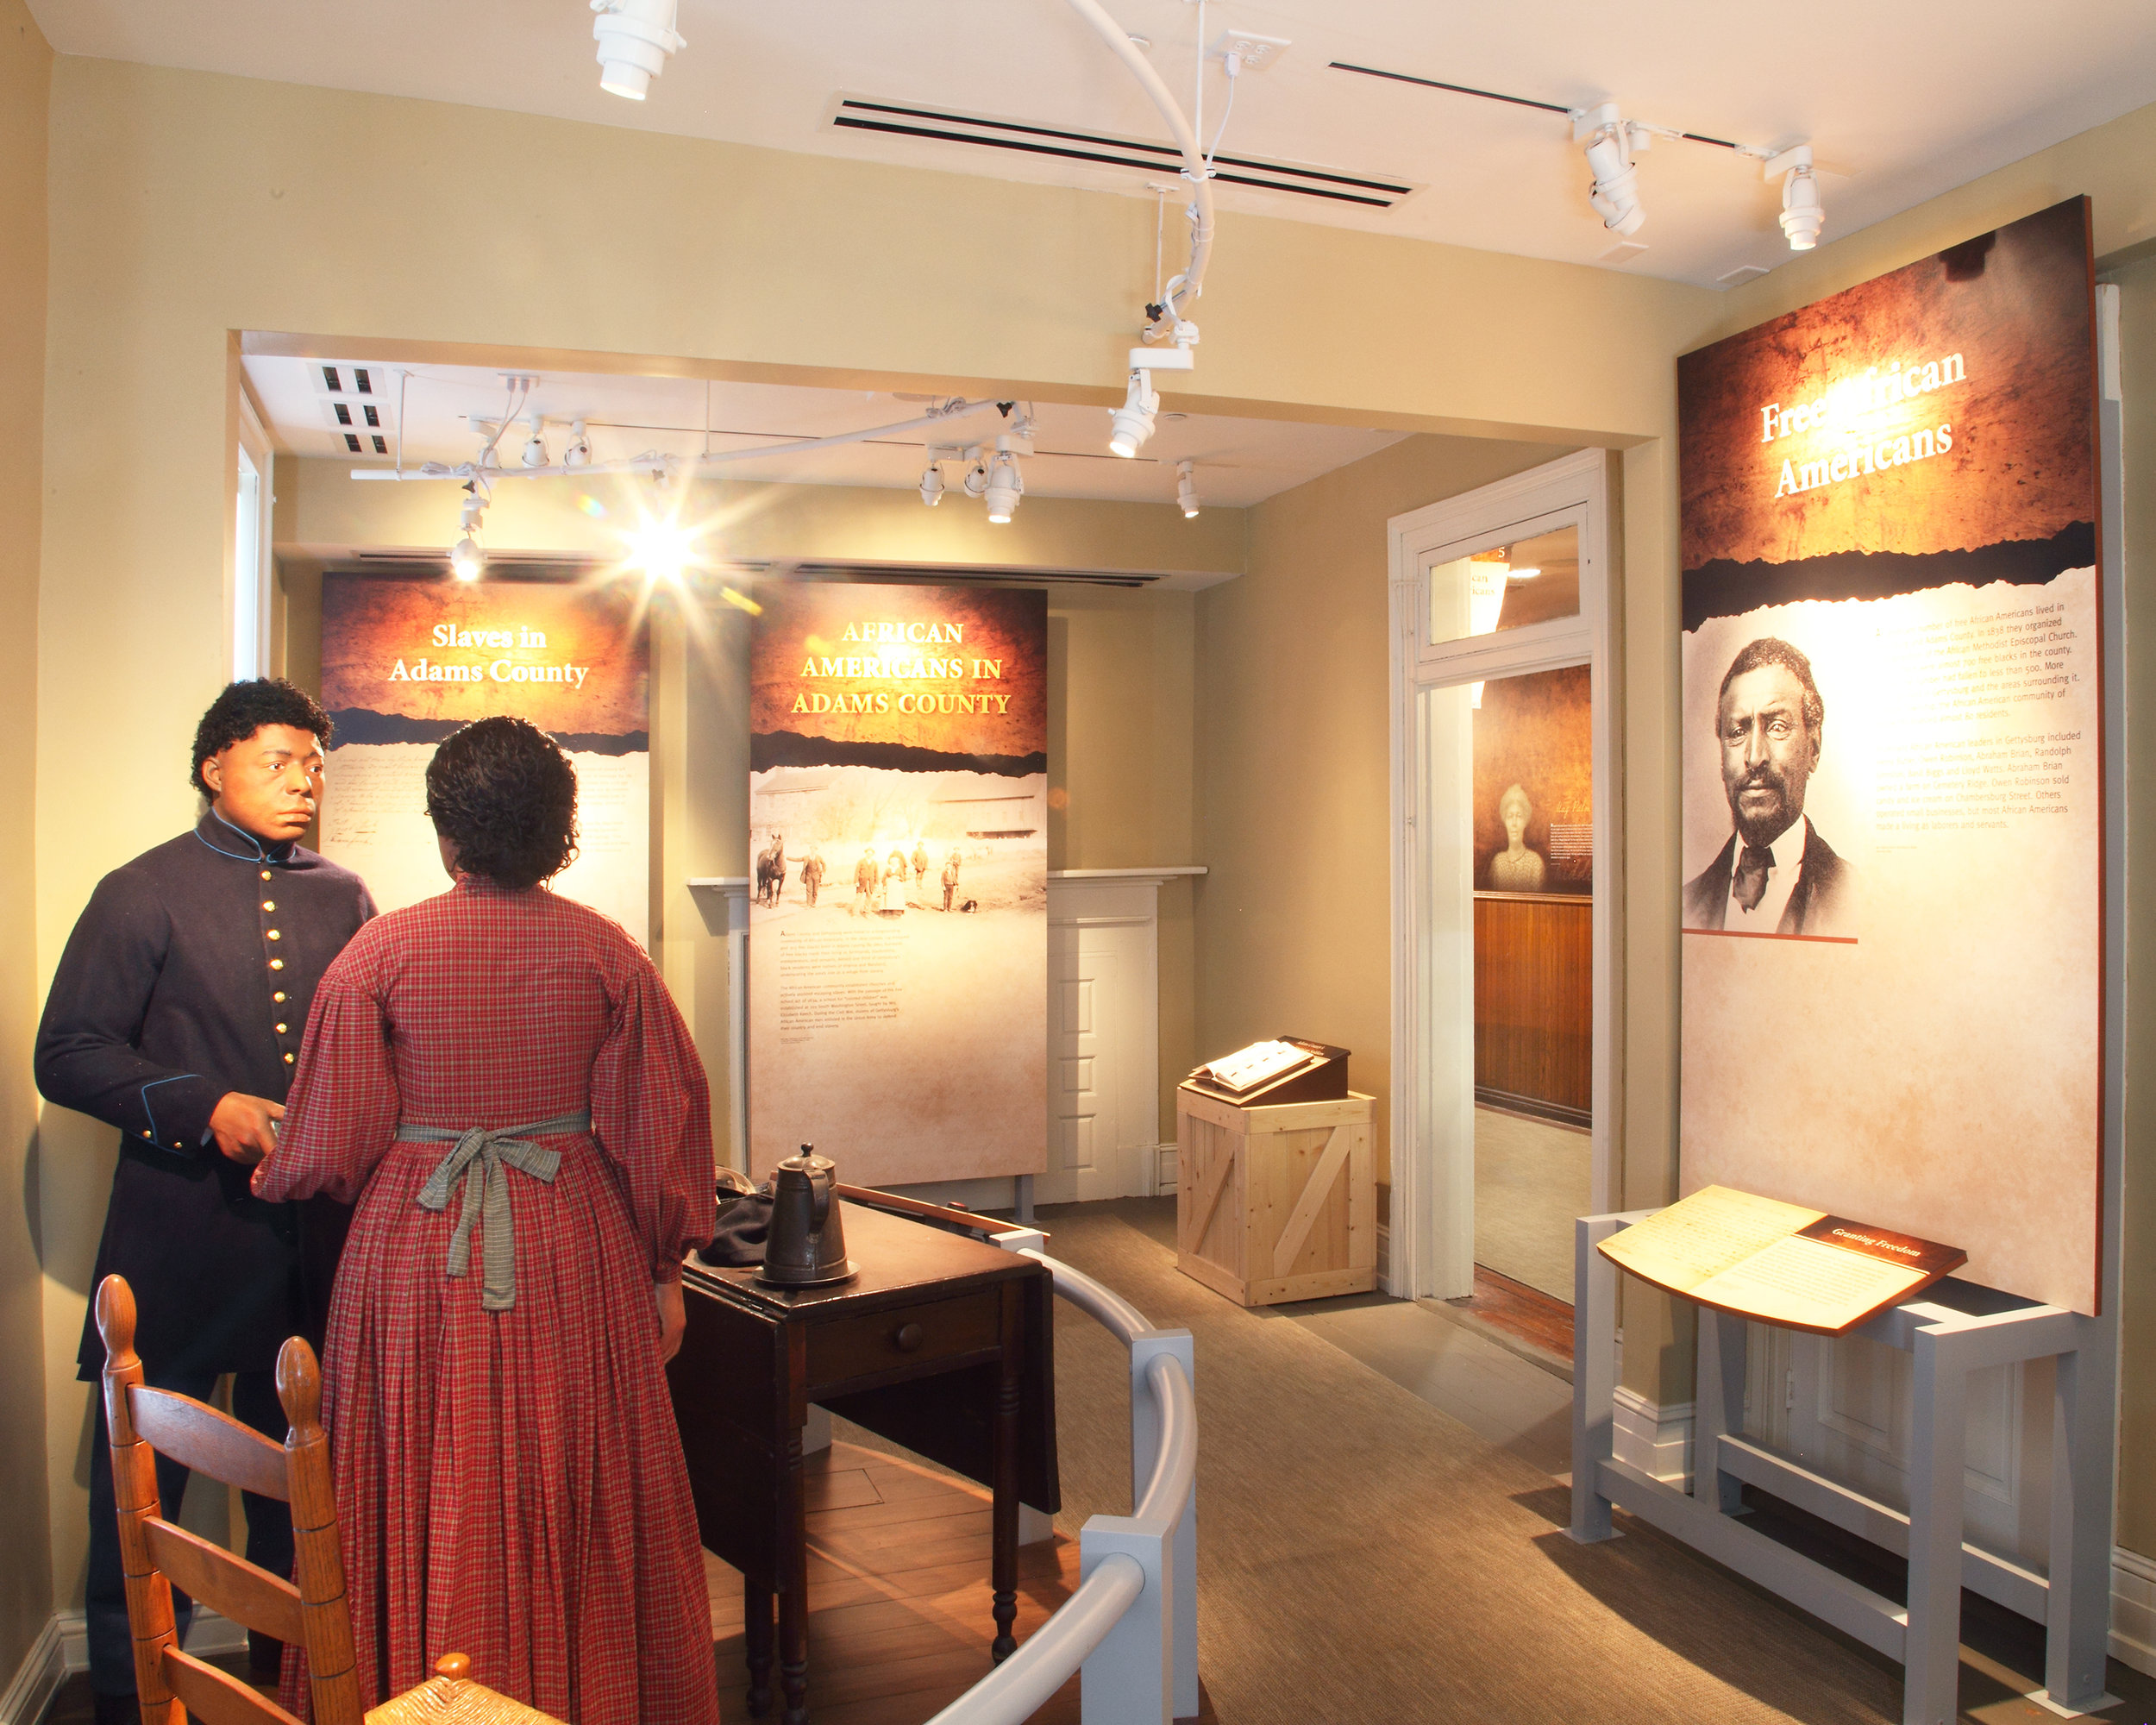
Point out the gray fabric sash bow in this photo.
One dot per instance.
(482, 1156)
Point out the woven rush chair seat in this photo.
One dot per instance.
(450, 1697)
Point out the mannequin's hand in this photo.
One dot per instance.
(243, 1126)
(674, 1318)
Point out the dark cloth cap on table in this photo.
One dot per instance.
(745, 1220)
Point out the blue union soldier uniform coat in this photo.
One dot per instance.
(189, 975)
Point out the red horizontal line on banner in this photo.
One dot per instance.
(1747, 934)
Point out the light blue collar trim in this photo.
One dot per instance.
(258, 853)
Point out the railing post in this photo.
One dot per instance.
(1594, 1371)
(1129, 1679)
(1145, 1431)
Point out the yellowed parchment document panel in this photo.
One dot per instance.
(1938, 1065)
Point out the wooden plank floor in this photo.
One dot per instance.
(899, 1595)
(1525, 1314)
(898, 1598)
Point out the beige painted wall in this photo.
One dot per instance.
(26, 1585)
(1120, 713)
(2137, 1422)
(1272, 947)
(1293, 741)
(2115, 165)
(185, 206)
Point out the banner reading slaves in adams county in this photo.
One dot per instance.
(406, 662)
(897, 945)
(1892, 947)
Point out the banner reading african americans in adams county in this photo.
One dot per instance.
(898, 948)
(1893, 815)
(406, 662)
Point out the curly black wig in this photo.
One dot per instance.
(504, 795)
(245, 708)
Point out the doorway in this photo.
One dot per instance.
(1534, 956)
(1506, 892)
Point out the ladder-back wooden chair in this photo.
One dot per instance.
(154, 1554)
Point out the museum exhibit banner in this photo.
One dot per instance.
(406, 662)
(1892, 758)
(897, 923)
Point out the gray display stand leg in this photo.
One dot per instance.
(1955, 1329)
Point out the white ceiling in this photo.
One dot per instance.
(1239, 461)
(1913, 95)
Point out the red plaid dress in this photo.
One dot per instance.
(510, 1484)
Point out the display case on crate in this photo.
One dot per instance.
(1276, 1200)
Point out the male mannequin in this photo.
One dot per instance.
(176, 1015)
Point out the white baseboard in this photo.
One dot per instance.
(1385, 1259)
(997, 1192)
(209, 1634)
(1657, 1440)
(1165, 1161)
(2133, 1611)
(37, 1679)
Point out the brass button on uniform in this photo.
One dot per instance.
(280, 1030)
(288, 1060)
(276, 964)
(279, 996)
(265, 873)
(274, 935)
(269, 904)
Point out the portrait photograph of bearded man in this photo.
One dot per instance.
(1775, 874)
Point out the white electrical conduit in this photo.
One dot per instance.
(645, 463)
(1189, 285)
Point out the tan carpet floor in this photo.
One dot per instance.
(1532, 1179)
(1364, 1557)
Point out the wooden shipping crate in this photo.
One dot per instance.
(1275, 1204)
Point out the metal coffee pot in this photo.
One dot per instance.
(806, 1246)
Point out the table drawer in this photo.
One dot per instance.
(903, 1337)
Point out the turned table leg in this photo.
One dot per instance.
(756, 1638)
(1004, 1479)
(793, 1584)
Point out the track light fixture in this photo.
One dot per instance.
(1803, 214)
(1611, 144)
(976, 480)
(932, 484)
(465, 559)
(1005, 488)
(579, 454)
(536, 444)
(1131, 424)
(1187, 489)
(636, 38)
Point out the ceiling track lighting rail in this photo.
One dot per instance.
(653, 461)
(636, 38)
(1184, 290)
(854, 113)
(1611, 143)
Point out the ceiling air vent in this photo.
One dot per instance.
(943, 125)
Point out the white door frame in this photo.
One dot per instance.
(1431, 1236)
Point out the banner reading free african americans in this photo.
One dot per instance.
(1892, 750)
